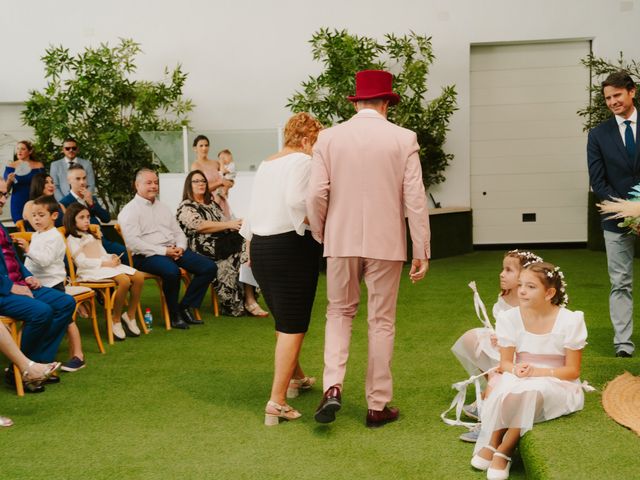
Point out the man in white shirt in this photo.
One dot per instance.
(614, 169)
(58, 169)
(159, 246)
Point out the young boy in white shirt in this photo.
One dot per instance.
(44, 258)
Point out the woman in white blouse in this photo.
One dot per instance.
(284, 256)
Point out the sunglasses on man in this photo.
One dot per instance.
(71, 149)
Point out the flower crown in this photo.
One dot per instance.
(557, 273)
(525, 257)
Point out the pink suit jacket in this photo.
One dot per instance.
(365, 178)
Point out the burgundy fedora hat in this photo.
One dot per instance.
(374, 84)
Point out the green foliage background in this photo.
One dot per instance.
(408, 57)
(92, 97)
(597, 112)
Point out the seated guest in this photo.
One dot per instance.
(46, 312)
(18, 175)
(59, 168)
(216, 236)
(159, 247)
(41, 185)
(94, 264)
(44, 257)
(81, 194)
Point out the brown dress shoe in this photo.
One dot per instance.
(330, 404)
(377, 418)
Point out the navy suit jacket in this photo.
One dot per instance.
(612, 173)
(97, 211)
(5, 281)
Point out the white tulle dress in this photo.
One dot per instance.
(521, 402)
(474, 350)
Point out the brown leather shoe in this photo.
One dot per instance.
(330, 404)
(377, 418)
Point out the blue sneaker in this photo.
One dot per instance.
(73, 365)
(471, 436)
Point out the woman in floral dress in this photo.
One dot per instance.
(210, 233)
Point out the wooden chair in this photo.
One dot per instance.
(12, 325)
(186, 278)
(20, 226)
(80, 295)
(106, 288)
(149, 276)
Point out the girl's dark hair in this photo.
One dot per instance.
(37, 185)
(69, 219)
(187, 192)
(551, 277)
(198, 138)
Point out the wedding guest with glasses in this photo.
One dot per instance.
(18, 175)
(59, 168)
(211, 233)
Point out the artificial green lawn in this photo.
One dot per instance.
(188, 404)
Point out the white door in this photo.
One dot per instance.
(529, 180)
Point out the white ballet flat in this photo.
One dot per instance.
(482, 463)
(495, 474)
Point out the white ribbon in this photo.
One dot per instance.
(458, 400)
(480, 308)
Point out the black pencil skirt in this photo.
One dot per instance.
(286, 267)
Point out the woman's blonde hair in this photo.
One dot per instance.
(299, 126)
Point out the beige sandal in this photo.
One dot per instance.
(255, 310)
(297, 384)
(274, 412)
(29, 379)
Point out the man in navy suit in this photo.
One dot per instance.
(46, 312)
(614, 168)
(58, 169)
(80, 193)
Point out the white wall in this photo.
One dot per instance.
(244, 58)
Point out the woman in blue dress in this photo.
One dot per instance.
(18, 175)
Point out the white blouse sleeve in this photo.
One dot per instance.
(576, 333)
(296, 192)
(79, 258)
(245, 230)
(505, 329)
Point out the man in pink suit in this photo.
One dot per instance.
(365, 179)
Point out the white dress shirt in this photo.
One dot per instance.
(149, 228)
(278, 198)
(45, 259)
(623, 127)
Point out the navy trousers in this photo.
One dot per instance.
(202, 269)
(46, 317)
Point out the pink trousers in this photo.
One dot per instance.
(382, 277)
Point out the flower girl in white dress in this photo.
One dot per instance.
(94, 264)
(476, 350)
(541, 346)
